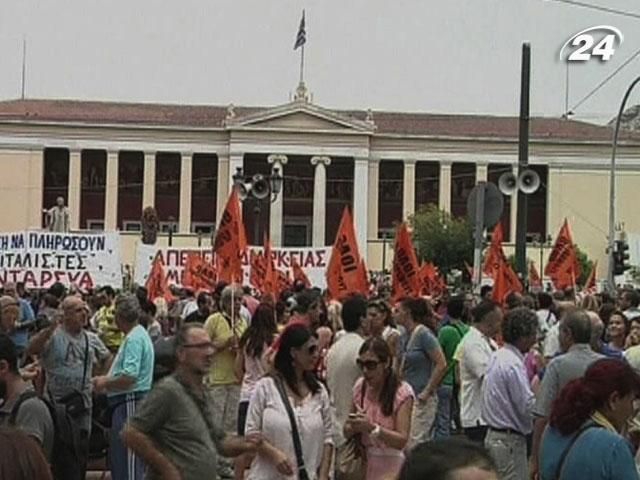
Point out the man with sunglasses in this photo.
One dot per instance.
(173, 429)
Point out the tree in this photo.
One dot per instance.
(442, 239)
(585, 266)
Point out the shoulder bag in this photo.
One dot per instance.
(297, 444)
(351, 459)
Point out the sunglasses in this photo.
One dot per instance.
(367, 364)
(311, 350)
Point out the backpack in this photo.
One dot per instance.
(67, 457)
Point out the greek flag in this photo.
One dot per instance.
(301, 38)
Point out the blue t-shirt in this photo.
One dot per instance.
(417, 362)
(135, 359)
(598, 454)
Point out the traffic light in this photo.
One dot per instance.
(620, 257)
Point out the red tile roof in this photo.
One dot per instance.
(204, 116)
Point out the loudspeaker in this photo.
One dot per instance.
(508, 183)
(261, 188)
(528, 181)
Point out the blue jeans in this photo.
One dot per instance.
(443, 414)
(124, 465)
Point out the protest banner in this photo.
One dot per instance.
(313, 261)
(42, 258)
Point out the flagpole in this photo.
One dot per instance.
(302, 64)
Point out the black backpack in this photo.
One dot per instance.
(67, 454)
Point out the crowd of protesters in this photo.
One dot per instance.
(229, 384)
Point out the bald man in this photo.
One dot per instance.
(9, 314)
(70, 355)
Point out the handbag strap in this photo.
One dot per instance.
(86, 359)
(563, 458)
(297, 444)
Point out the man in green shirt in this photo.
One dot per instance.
(449, 337)
(174, 431)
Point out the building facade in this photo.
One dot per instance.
(110, 160)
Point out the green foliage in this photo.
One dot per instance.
(442, 239)
(585, 266)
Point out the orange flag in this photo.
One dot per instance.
(230, 241)
(363, 277)
(500, 288)
(283, 282)
(298, 273)
(590, 284)
(563, 267)
(432, 283)
(405, 280)
(198, 274)
(157, 285)
(344, 272)
(495, 254)
(270, 280)
(534, 277)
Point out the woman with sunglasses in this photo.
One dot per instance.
(584, 437)
(381, 325)
(294, 364)
(381, 411)
(251, 365)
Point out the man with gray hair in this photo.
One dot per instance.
(127, 383)
(575, 338)
(507, 399)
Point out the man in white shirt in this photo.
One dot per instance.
(473, 354)
(58, 217)
(342, 370)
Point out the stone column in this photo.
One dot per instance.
(514, 209)
(360, 202)
(409, 189)
(149, 182)
(319, 200)
(482, 172)
(222, 191)
(186, 173)
(444, 200)
(374, 185)
(74, 189)
(111, 192)
(275, 216)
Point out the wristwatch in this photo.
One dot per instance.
(375, 433)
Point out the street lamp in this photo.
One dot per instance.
(612, 190)
(260, 188)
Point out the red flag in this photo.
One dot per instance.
(590, 284)
(283, 282)
(157, 285)
(298, 273)
(258, 268)
(344, 275)
(230, 241)
(495, 253)
(270, 281)
(563, 267)
(431, 281)
(500, 288)
(534, 277)
(198, 274)
(405, 280)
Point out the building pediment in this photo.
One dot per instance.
(299, 116)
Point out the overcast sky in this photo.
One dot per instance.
(449, 56)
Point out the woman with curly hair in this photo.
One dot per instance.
(583, 439)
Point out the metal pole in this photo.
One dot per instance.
(256, 223)
(612, 187)
(477, 236)
(523, 162)
(384, 251)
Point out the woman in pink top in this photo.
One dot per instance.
(381, 413)
(251, 365)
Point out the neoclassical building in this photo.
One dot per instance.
(109, 160)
